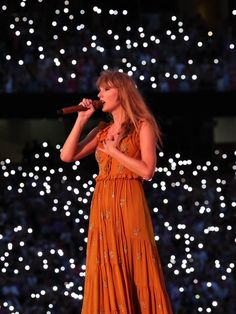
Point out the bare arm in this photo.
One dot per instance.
(145, 167)
(73, 149)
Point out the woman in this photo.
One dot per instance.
(123, 270)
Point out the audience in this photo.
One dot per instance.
(44, 212)
(66, 52)
(44, 203)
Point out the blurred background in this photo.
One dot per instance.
(182, 55)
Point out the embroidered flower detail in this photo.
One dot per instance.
(136, 232)
(105, 215)
(122, 202)
(120, 306)
(91, 226)
(120, 168)
(105, 283)
(139, 256)
(143, 305)
(111, 254)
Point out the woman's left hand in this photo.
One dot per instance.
(109, 145)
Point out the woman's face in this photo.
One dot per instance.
(110, 97)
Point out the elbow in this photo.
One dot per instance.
(66, 158)
(147, 178)
(148, 175)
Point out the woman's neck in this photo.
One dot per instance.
(118, 119)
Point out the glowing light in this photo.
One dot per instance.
(174, 184)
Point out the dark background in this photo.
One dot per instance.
(194, 199)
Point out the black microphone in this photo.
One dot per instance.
(97, 104)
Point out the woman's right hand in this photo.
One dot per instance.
(87, 103)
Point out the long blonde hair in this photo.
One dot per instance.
(132, 102)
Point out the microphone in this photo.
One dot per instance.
(97, 104)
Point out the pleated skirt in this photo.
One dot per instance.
(123, 268)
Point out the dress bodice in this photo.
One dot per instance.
(108, 166)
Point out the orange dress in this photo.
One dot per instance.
(123, 270)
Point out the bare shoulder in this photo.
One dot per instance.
(145, 127)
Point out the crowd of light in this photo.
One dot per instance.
(75, 44)
(43, 231)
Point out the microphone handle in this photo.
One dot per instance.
(97, 104)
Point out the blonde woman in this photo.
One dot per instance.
(123, 269)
